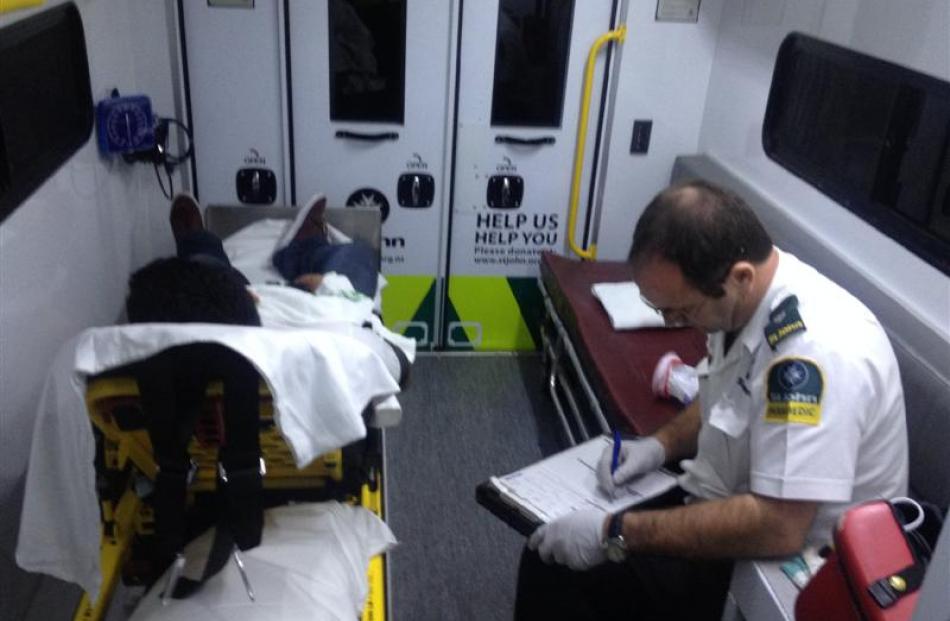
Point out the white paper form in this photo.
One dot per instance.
(567, 481)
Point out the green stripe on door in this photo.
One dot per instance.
(490, 314)
(409, 306)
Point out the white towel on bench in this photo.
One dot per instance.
(626, 310)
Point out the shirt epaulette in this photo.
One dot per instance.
(784, 321)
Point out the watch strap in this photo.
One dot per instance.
(615, 527)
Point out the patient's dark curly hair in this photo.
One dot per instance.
(176, 290)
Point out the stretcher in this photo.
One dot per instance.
(599, 378)
(357, 367)
(125, 467)
(352, 474)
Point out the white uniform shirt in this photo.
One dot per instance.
(818, 415)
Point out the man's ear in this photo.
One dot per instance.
(743, 273)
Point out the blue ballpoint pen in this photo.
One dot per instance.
(616, 454)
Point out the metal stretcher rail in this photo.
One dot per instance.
(553, 352)
(557, 376)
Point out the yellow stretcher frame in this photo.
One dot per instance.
(128, 516)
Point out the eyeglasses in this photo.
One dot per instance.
(675, 314)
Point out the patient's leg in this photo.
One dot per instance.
(192, 239)
(356, 261)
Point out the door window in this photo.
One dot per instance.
(531, 55)
(367, 60)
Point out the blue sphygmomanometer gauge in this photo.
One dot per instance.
(125, 124)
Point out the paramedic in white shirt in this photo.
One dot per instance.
(800, 414)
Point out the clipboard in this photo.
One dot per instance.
(565, 482)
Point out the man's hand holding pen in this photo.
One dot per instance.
(625, 460)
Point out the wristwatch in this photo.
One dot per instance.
(616, 546)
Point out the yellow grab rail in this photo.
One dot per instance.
(614, 35)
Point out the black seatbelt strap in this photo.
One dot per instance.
(171, 402)
(239, 482)
(172, 386)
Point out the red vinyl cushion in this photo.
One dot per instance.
(618, 363)
(826, 596)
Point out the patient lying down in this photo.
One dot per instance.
(334, 284)
(303, 255)
(200, 285)
(321, 379)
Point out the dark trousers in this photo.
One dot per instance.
(645, 587)
(205, 247)
(313, 255)
(356, 261)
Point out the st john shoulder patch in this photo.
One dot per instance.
(784, 321)
(795, 387)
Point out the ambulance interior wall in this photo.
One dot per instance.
(663, 77)
(911, 298)
(705, 86)
(65, 257)
(915, 33)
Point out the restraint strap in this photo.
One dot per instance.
(171, 401)
(172, 386)
(239, 486)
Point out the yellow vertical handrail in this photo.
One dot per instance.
(614, 35)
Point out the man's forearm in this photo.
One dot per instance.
(743, 526)
(679, 436)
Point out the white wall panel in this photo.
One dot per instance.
(67, 251)
(663, 76)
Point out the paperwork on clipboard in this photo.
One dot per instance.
(567, 481)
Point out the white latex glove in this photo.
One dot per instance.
(575, 540)
(637, 457)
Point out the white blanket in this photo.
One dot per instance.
(337, 304)
(311, 564)
(320, 381)
(626, 310)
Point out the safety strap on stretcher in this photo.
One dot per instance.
(172, 390)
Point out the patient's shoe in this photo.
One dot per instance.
(185, 216)
(308, 223)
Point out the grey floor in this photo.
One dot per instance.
(465, 418)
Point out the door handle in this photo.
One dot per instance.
(533, 142)
(416, 189)
(369, 137)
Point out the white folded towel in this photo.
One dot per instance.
(626, 310)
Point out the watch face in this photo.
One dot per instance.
(616, 549)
